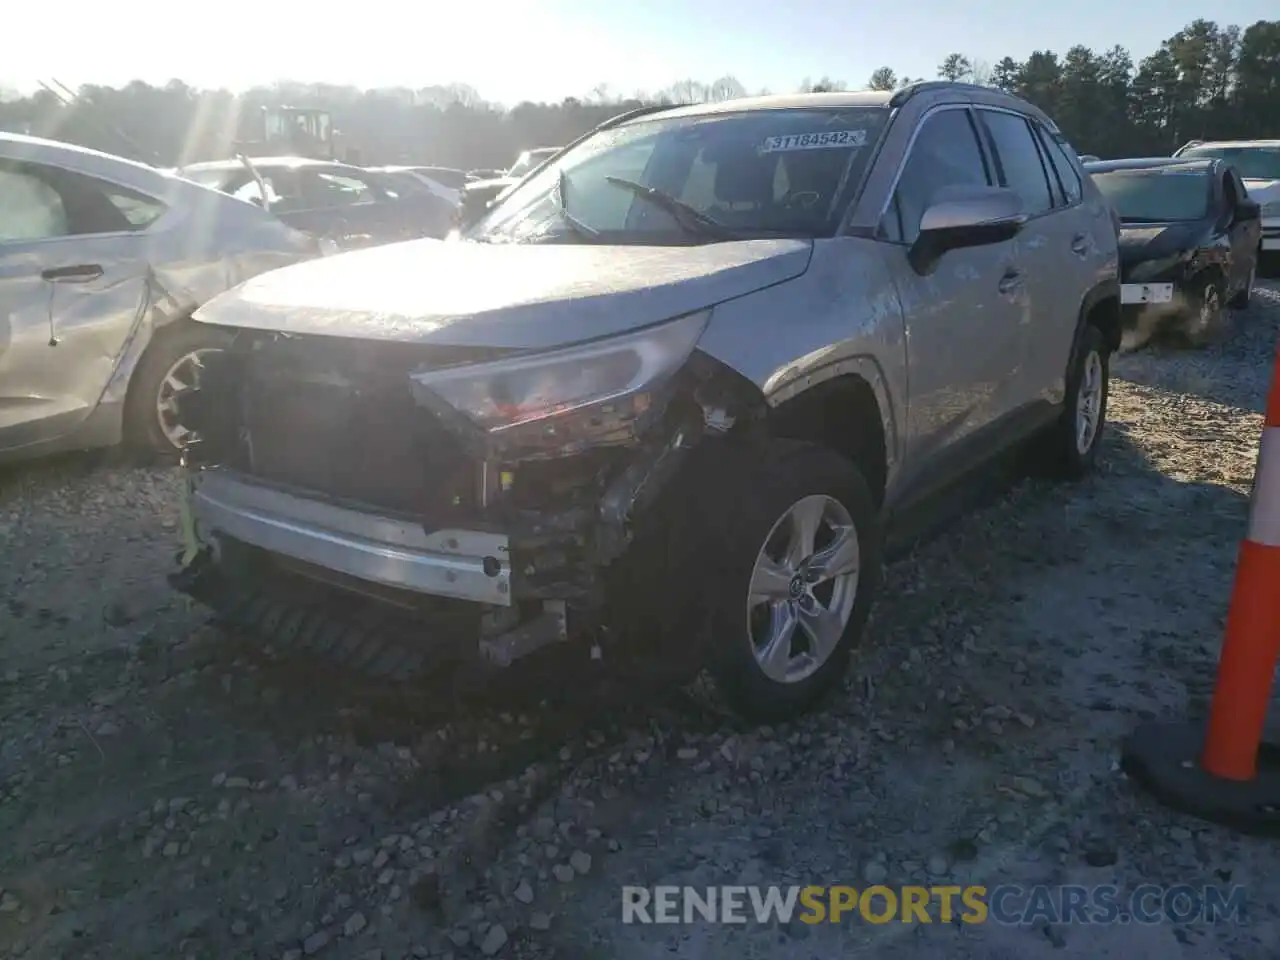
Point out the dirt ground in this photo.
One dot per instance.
(167, 792)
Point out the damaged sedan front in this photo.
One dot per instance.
(416, 454)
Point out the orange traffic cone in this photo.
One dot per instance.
(1228, 774)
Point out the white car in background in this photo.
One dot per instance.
(102, 263)
(1258, 163)
(445, 182)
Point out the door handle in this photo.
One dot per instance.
(1010, 281)
(1080, 244)
(80, 273)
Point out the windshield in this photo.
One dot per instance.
(1156, 196)
(530, 159)
(763, 172)
(1252, 163)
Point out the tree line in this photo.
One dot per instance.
(1206, 81)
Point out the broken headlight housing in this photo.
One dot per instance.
(563, 396)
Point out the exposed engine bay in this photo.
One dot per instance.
(338, 494)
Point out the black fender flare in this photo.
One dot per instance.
(1095, 297)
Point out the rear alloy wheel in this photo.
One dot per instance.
(1089, 402)
(801, 539)
(183, 375)
(1070, 446)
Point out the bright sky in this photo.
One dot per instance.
(511, 50)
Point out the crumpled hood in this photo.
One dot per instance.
(517, 296)
(1140, 242)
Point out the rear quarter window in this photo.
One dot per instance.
(1059, 156)
(139, 210)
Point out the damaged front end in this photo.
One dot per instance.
(342, 494)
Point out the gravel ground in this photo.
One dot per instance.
(166, 791)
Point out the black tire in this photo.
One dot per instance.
(738, 523)
(1242, 299)
(143, 431)
(1066, 457)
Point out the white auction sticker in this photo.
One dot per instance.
(815, 141)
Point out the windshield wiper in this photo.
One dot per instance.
(574, 224)
(690, 218)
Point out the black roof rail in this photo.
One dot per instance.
(634, 114)
(903, 94)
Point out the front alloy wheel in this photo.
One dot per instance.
(1210, 307)
(1206, 321)
(1242, 299)
(798, 536)
(803, 589)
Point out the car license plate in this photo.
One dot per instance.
(1271, 243)
(1146, 292)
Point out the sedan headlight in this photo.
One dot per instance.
(1271, 209)
(614, 378)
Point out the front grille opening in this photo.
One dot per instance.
(338, 417)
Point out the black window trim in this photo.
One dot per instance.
(1048, 141)
(1219, 196)
(1057, 190)
(988, 168)
(1000, 165)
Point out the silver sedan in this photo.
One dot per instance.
(102, 262)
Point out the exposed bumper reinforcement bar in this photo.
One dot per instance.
(459, 564)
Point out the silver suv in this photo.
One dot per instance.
(664, 400)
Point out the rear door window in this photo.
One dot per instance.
(140, 210)
(1063, 170)
(1018, 159)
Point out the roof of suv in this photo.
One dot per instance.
(836, 100)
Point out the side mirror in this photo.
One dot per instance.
(1248, 210)
(968, 216)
